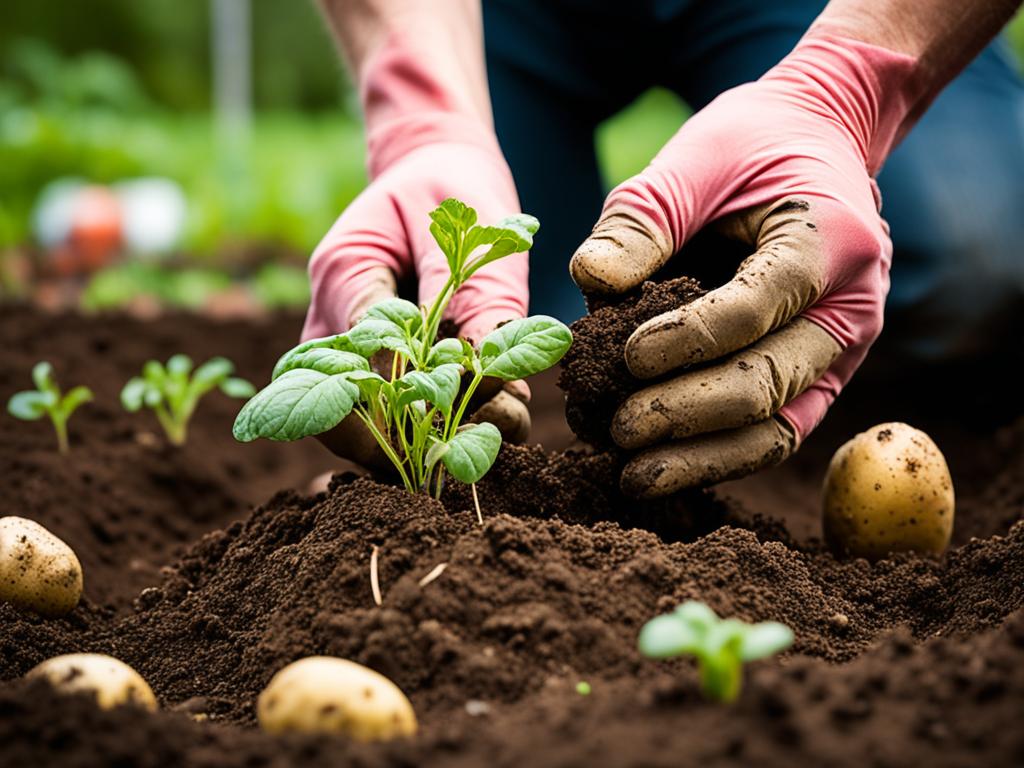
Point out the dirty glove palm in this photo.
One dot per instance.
(784, 164)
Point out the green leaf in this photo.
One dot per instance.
(510, 235)
(42, 376)
(297, 404)
(764, 639)
(370, 384)
(132, 394)
(472, 451)
(402, 313)
(152, 396)
(323, 359)
(665, 636)
(153, 371)
(439, 386)
(697, 615)
(450, 221)
(30, 405)
(339, 341)
(235, 387)
(73, 399)
(179, 365)
(524, 347)
(435, 453)
(446, 351)
(212, 372)
(371, 334)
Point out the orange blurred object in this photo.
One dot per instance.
(96, 228)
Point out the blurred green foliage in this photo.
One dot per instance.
(112, 89)
(166, 44)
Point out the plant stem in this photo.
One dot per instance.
(385, 446)
(433, 320)
(60, 426)
(721, 678)
(177, 431)
(477, 378)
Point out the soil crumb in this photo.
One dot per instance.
(594, 375)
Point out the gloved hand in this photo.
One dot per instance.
(784, 164)
(425, 143)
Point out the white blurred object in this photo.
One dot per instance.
(153, 212)
(146, 216)
(54, 211)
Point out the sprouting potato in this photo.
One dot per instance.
(113, 682)
(321, 694)
(888, 490)
(38, 571)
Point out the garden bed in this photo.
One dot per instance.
(907, 661)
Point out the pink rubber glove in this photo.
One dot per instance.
(785, 164)
(426, 142)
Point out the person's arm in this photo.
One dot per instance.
(421, 79)
(785, 164)
(941, 36)
(447, 35)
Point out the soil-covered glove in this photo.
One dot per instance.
(784, 164)
(425, 143)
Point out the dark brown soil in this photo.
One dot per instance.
(125, 499)
(904, 662)
(594, 374)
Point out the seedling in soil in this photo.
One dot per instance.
(415, 411)
(46, 400)
(173, 391)
(721, 646)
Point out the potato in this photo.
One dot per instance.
(113, 682)
(38, 571)
(321, 694)
(888, 490)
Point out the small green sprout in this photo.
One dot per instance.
(46, 399)
(173, 395)
(583, 688)
(416, 412)
(721, 646)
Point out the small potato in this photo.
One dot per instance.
(888, 490)
(38, 571)
(321, 694)
(113, 682)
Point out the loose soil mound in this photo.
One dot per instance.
(123, 498)
(907, 661)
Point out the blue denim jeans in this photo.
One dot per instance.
(953, 191)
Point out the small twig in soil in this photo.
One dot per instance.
(437, 571)
(374, 580)
(476, 503)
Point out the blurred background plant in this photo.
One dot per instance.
(240, 103)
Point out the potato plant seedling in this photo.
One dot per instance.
(721, 646)
(173, 394)
(46, 400)
(415, 413)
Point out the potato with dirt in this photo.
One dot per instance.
(321, 694)
(112, 681)
(888, 490)
(38, 571)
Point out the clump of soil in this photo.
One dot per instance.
(594, 374)
(123, 498)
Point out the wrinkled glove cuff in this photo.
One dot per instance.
(873, 92)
